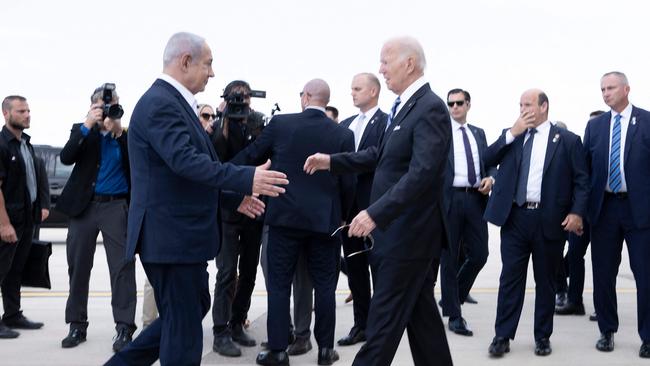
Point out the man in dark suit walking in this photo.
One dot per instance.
(303, 218)
(540, 193)
(405, 215)
(367, 126)
(618, 158)
(172, 223)
(467, 182)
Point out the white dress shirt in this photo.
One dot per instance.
(408, 93)
(353, 126)
(625, 122)
(460, 159)
(322, 109)
(537, 157)
(187, 95)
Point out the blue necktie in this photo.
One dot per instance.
(524, 167)
(615, 157)
(393, 111)
(471, 172)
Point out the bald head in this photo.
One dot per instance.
(316, 93)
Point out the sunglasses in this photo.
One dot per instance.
(368, 241)
(208, 116)
(459, 103)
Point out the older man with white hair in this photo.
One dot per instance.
(405, 216)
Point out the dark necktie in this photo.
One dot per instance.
(524, 167)
(471, 173)
(393, 111)
(615, 157)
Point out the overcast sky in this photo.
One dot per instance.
(56, 52)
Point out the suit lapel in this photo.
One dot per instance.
(402, 114)
(479, 147)
(366, 131)
(551, 146)
(631, 130)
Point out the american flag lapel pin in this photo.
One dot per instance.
(556, 137)
(633, 121)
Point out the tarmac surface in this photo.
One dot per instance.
(573, 340)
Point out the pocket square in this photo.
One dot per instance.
(396, 128)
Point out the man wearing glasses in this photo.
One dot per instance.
(303, 219)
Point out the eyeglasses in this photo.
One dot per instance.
(368, 241)
(208, 116)
(459, 103)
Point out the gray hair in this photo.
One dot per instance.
(408, 46)
(180, 44)
(618, 74)
(98, 94)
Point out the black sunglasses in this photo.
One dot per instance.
(368, 241)
(459, 103)
(208, 116)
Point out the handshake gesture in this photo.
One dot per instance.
(265, 182)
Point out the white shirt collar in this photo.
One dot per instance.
(315, 107)
(544, 127)
(455, 125)
(626, 114)
(186, 93)
(409, 91)
(370, 112)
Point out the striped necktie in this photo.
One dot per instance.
(393, 111)
(615, 157)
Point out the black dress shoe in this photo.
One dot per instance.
(224, 346)
(570, 309)
(560, 299)
(606, 342)
(355, 336)
(20, 322)
(240, 336)
(123, 337)
(499, 346)
(593, 317)
(644, 352)
(74, 338)
(7, 333)
(272, 358)
(299, 347)
(459, 326)
(327, 356)
(470, 300)
(543, 347)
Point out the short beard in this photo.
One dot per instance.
(15, 125)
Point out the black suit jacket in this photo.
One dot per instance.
(371, 134)
(409, 164)
(318, 202)
(565, 183)
(486, 171)
(85, 153)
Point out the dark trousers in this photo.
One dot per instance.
(614, 225)
(468, 233)
(240, 247)
(403, 299)
(109, 218)
(522, 236)
(176, 337)
(358, 279)
(12, 261)
(284, 246)
(576, 259)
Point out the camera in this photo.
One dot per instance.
(112, 111)
(236, 106)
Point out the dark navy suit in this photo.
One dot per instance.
(539, 231)
(357, 266)
(176, 180)
(617, 218)
(467, 231)
(303, 218)
(405, 204)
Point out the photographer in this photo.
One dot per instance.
(235, 130)
(96, 199)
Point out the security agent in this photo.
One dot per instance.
(96, 199)
(19, 210)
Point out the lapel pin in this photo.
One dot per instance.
(556, 137)
(633, 121)
(13, 158)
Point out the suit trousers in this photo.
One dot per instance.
(614, 225)
(576, 258)
(110, 219)
(467, 230)
(240, 247)
(403, 299)
(12, 261)
(358, 279)
(521, 237)
(322, 253)
(176, 337)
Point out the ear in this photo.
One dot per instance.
(544, 107)
(186, 61)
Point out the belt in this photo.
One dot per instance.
(528, 205)
(109, 197)
(619, 195)
(465, 189)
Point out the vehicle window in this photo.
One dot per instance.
(60, 170)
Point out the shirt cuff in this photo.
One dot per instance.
(509, 137)
(84, 130)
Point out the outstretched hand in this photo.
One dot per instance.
(317, 162)
(267, 182)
